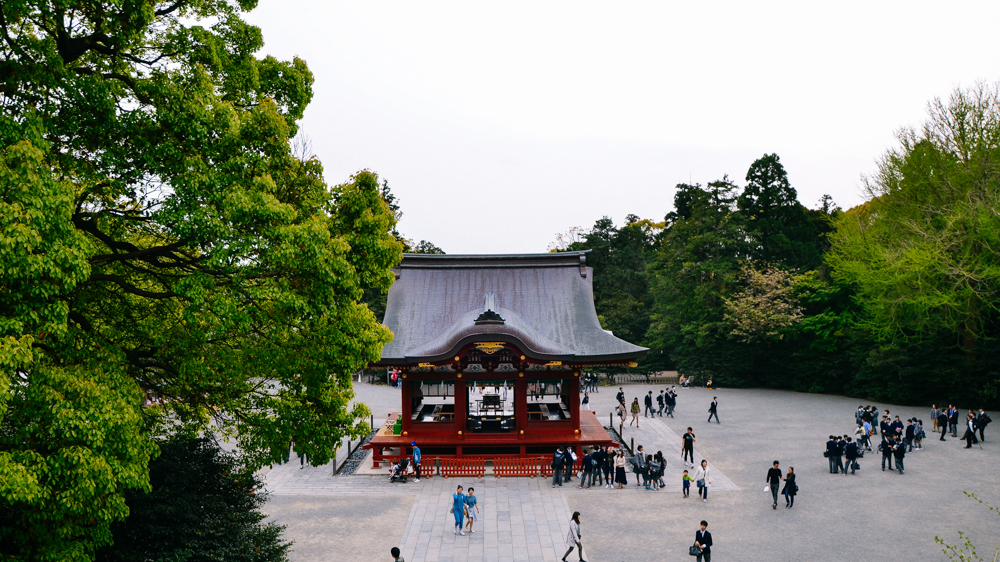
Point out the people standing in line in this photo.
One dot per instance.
(886, 449)
(416, 461)
(943, 423)
(648, 401)
(635, 412)
(703, 478)
(573, 539)
(713, 410)
(586, 400)
(791, 488)
(703, 540)
(851, 453)
(660, 403)
(899, 452)
(970, 431)
(557, 467)
(620, 462)
(597, 460)
(687, 452)
(982, 420)
(773, 479)
(458, 509)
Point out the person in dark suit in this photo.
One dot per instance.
(703, 540)
(910, 435)
(660, 403)
(841, 447)
(671, 400)
(831, 454)
(942, 422)
(970, 431)
(648, 401)
(713, 410)
(620, 397)
(899, 451)
(886, 448)
(982, 420)
(953, 420)
(851, 453)
(557, 467)
(885, 426)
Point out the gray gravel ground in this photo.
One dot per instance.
(341, 528)
(873, 515)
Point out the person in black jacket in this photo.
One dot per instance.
(886, 448)
(910, 435)
(970, 431)
(671, 400)
(831, 454)
(703, 540)
(841, 447)
(648, 401)
(982, 420)
(557, 467)
(953, 419)
(790, 488)
(660, 403)
(943, 423)
(899, 451)
(774, 479)
(851, 452)
(713, 410)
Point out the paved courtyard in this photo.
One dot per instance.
(872, 515)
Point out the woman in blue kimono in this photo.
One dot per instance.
(458, 508)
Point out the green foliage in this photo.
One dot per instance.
(201, 505)
(159, 236)
(765, 307)
(966, 552)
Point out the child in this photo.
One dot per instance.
(471, 509)
(686, 482)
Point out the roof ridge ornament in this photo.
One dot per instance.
(489, 315)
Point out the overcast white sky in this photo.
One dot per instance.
(499, 124)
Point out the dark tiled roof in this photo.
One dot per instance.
(543, 303)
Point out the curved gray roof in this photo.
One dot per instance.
(543, 303)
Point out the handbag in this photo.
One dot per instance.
(700, 483)
(694, 550)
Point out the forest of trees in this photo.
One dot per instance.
(893, 300)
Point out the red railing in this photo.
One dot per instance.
(463, 466)
(516, 466)
(547, 470)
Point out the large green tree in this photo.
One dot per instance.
(922, 251)
(159, 237)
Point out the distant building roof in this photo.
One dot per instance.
(543, 303)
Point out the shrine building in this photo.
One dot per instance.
(490, 349)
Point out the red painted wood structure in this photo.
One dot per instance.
(490, 350)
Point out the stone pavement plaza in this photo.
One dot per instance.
(873, 515)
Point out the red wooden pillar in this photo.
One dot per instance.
(574, 400)
(461, 398)
(407, 397)
(521, 407)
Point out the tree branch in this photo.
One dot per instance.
(132, 289)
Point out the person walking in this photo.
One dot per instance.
(687, 452)
(620, 397)
(703, 478)
(635, 412)
(671, 399)
(660, 404)
(416, 461)
(648, 401)
(471, 509)
(713, 410)
(458, 509)
(620, 477)
(703, 540)
(791, 488)
(557, 467)
(588, 470)
(573, 539)
(774, 479)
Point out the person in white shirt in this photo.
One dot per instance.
(703, 476)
